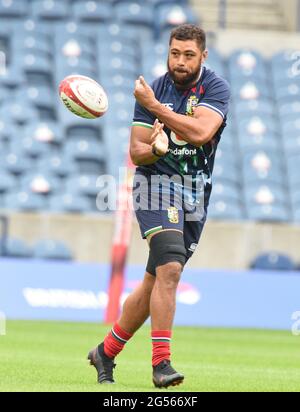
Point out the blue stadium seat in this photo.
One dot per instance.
(69, 203)
(16, 162)
(41, 97)
(35, 43)
(293, 178)
(246, 61)
(153, 71)
(82, 185)
(118, 65)
(257, 125)
(159, 51)
(116, 47)
(292, 165)
(92, 11)
(41, 183)
(119, 100)
(8, 130)
(7, 181)
(34, 61)
(291, 145)
(286, 93)
(284, 58)
(225, 191)
(228, 139)
(295, 197)
(122, 115)
(65, 70)
(170, 16)
(289, 109)
(29, 147)
(130, 34)
(296, 215)
(73, 44)
(13, 77)
(130, 12)
(15, 248)
(32, 26)
(262, 167)
(225, 155)
(273, 261)
(57, 165)
(85, 149)
(269, 213)
(239, 80)
(290, 127)
(251, 91)
(267, 194)
(46, 132)
(73, 27)
(13, 9)
(4, 93)
(25, 201)
(222, 210)
(86, 130)
(50, 9)
(216, 67)
(255, 107)
(284, 75)
(52, 250)
(226, 172)
(263, 142)
(19, 112)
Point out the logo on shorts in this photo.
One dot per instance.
(193, 247)
(173, 215)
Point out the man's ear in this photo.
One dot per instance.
(205, 54)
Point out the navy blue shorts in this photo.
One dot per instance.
(165, 205)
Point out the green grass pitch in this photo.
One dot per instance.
(51, 356)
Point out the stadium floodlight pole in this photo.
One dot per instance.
(121, 239)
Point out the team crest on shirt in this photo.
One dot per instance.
(173, 215)
(191, 103)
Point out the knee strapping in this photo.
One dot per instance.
(166, 247)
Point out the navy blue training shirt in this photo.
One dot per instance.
(211, 91)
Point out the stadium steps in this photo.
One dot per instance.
(242, 14)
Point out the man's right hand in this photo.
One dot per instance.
(159, 139)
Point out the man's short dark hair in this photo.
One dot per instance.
(189, 32)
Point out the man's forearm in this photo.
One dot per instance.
(142, 155)
(185, 126)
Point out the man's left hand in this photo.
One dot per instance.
(144, 94)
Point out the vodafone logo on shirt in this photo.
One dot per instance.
(177, 139)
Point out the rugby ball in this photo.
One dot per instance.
(83, 96)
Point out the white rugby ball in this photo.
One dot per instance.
(83, 96)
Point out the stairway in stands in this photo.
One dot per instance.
(242, 14)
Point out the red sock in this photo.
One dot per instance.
(115, 341)
(161, 340)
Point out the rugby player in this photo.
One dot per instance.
(178, 122)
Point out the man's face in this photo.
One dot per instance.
(184, 62)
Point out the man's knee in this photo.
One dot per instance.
(167, 248)
(169, 274)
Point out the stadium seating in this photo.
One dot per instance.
(273, 261)
(15, 248)
(51, 249)
(256, 167)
